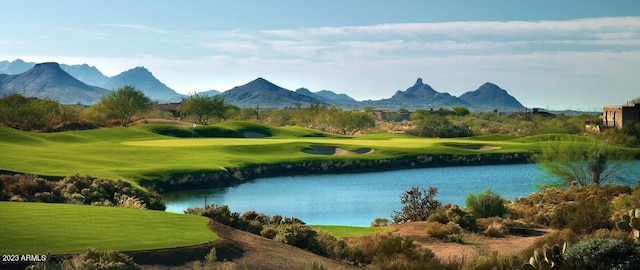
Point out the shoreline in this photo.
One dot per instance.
(235, 176)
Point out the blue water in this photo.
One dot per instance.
(357, 199)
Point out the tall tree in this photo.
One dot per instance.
(583, 163)
(349, 123)
(20, 112)
(418, 205)
(122, 104)
(203, 107)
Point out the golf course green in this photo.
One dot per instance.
(140, 152)
(144, 152)
(41, 228)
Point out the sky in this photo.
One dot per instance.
(556, 54)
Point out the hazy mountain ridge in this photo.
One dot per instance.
(48, 80)
(142, 79)
(330, 97)
(87, 74)
(490, 95)
(267, 95)
(15, 67)
(418, 96)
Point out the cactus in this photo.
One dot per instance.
(631, 223)
(551, 258)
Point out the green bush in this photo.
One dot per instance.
(100, 260)
(78, 189)
(584, 215)
(451, 232)
(453, 213)
(603, 253)
(299, 235)
(380, 222)
(396, 252)
(486, 204)
(211, 257)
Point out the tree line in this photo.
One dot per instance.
(127, 104)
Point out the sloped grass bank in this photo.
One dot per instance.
(166, 156)
(41, 228)
(351, 231)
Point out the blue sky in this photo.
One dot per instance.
(556, 54)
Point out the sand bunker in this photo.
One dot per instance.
(473, 146)
(252, 134)
(332, 150)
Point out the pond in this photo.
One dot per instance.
(357, 199)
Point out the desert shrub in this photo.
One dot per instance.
(380, 222)
(583, 215)
(211, 257)
(396, 252)
(131, 202)
(221, 213)
(486, 204)
(489, 261)
(269, 231)
(449, 232)
(495, 230)
(542, 207)
(613, 234)
(603, 253)
(453, 213)
(100, 260)
(417, 204)
(629, 200)
(550, 239)
(77, 189)
(314, 265)
(299, 235)
(338, 248)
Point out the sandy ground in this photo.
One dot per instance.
(474, 243)
(332, 150)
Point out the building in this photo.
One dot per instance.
(387, 115)
(619, 115)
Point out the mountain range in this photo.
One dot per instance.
(139, 77)
(75, 84)
(48, 80)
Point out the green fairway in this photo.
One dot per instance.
(351, 231)
(142, 152)
(133, 153)
(39, 228)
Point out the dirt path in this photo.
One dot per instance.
(510, 244)
(257, 252)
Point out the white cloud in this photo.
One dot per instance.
(572, 61)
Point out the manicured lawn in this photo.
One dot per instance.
(351, 231)
(132, 153)
(140, 152)
(39, 228)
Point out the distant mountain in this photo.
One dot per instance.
(48, 80)
(16, 67)
(420, 95)
(329, 97)
(491, 96)
(143, 80)
(267, 94)
(85, 73)
(210, 93)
